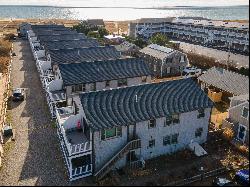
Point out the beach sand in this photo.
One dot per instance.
(10, 25)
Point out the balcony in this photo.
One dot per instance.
(82, 171)
(77, 142)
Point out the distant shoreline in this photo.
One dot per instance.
(115, 7)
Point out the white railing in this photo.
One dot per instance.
(80, 148)
(76, 148)
(81, 170)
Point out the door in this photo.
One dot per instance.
(242, 133)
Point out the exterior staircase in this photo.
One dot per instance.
(131, 145)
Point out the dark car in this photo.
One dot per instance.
(222, 182)
(242, 177)
(18, 94)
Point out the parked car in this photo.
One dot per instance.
(191, 72)
(222, 182)
(242, 177)
(18, 94)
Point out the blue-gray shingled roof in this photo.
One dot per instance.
(47, 26)
(54, 32)
(67, 44)
(228, 81)
(83, 54)
(123, 106)
(62, 37)
(98, 71)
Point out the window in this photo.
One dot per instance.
(201, 113)
(111, 133)
(122, 82)
(175, 138)
(78, 88)
(93, 87)
(245, 112)
(168, 121)
(166, 140)
(176, 118)
(107, 84)
(198, 132)
(151, 143)
(152, 123)
(144, 79)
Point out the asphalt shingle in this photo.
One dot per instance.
(83, 54)
(98, 71)
(229, 81)
(70, 44)
(123, 106)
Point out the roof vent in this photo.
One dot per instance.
(136, 98)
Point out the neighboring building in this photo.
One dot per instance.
(127, 49)
(100, 75)
(221, 84)
(70, 44)
(77, 36)
(66, 56)
(201, 31)
(238, 119)
(23, 29)
(114, 39)
(163, 61)
(96, 22)
(119, 127)
(53, 32)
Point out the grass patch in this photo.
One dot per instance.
(9, 118)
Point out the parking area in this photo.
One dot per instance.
(35, 157)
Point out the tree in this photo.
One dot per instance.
(159, 39)
(140, 43)
(102, 32)
(93, 34)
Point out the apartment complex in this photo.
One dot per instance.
(233, 35)
(108, 113)
(134, 124)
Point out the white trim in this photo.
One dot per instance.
(242, 140)
(247, 113)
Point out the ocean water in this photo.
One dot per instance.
(116, 13)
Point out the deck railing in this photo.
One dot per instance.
(79, 171)
(80, 148)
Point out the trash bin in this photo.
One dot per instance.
(7, 130)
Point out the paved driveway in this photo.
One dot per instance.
(36, 158)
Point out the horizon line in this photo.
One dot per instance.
(164, 7)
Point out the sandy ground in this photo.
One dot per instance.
(10, 26)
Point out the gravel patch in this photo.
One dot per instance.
(36, 158)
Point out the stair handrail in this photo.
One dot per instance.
(124, 148)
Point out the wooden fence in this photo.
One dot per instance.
(197, 177)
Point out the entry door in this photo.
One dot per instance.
(242, 133)
(168, 70)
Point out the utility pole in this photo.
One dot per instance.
(228, 54)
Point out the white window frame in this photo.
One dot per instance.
(113, 137)
(243, 111)
(243, 140)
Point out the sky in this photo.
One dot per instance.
(126, 3)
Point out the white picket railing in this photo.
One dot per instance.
(81, 170)
(80, 148)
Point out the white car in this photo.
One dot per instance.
(191, 72)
